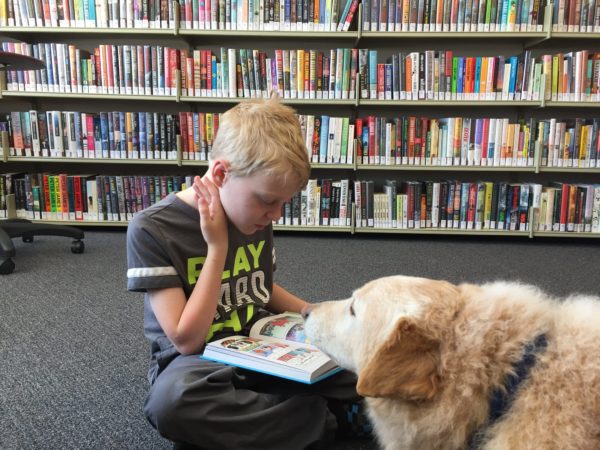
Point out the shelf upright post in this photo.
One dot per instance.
(176, 15)
(547, 27)
(355, 156)
(11, 208)
(359, 25)
(543, 90)
(357, 89)
(5, 145)
(530, 219)
(179, 150)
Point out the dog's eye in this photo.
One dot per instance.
(352, 310)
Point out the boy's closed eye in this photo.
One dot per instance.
(272, 201)
(268, 201)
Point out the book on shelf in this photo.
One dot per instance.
(276, 346)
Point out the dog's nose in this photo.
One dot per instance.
(306, 311)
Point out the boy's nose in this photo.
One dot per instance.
(274, 216)
(275, 213)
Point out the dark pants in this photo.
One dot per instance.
(214, 406)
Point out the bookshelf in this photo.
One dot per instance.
(174, 32)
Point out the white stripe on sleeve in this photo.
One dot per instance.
(151, 272)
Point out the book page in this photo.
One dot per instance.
(287, 326)
(300, 357)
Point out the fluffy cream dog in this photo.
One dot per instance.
(497, 366)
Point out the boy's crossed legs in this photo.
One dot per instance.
(211, 405)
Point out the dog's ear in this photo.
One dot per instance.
(405, 366)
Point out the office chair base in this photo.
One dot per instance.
(77, 246)
(26, 230)
(7, 266)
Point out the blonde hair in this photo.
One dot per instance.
(262, 135)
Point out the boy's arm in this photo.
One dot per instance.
(282, 301)
(186, 323)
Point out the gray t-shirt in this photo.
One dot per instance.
(165, 248)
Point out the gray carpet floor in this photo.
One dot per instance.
(73, 357)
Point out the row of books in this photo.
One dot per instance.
(575, 76)
(157, 70)
(572, 143)
(453, 15)
(477, 142)
(118, 198)
(263, 15)
(323, 202)
(445, 204)
(109, 69)
(453, 141)
(569, 207)
(88, 13)
(435, 75)
(251, 73)
(151, 135)
(370, 140)
(329, 140)
(268, 15)
(439, 75)
(576, 16)
(114, 135)
(410, 204)
(85, 197)
(306, 15)
(308, 74)
(481, 205)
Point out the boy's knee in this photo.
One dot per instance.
(163, 404)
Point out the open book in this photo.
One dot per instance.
(276, 346)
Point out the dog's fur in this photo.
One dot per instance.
(428, 354)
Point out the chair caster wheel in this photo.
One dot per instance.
(6, 266)
(77, 246)
(28, 239)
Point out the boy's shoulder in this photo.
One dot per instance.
(165, 209)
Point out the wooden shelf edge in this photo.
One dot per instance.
(84, 223)
(448, 232)
(313, 228)
(359, 230)
(34, 159)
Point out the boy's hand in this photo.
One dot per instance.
(213, 221)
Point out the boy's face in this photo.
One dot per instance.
(252, 202)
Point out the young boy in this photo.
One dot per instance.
(205, 259)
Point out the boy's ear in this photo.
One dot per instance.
(218, 172)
